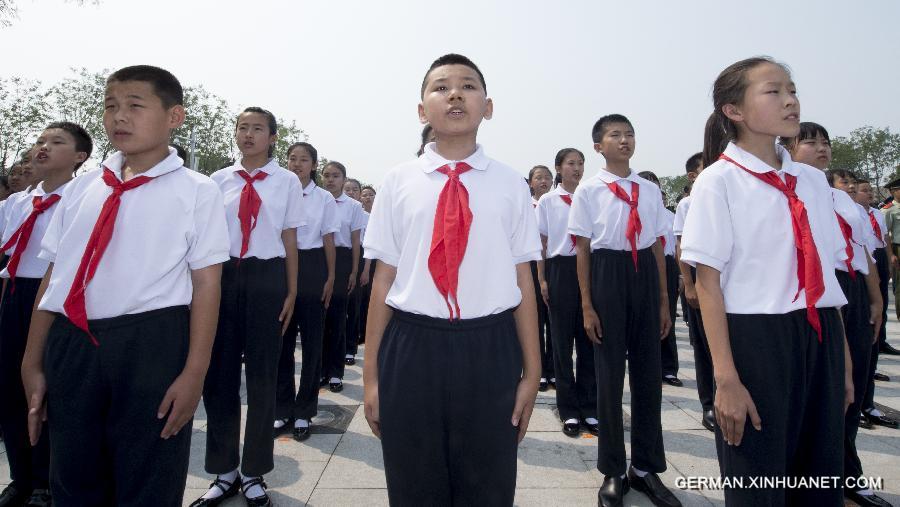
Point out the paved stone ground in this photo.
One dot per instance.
(345, 469)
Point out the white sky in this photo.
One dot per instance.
(349, 71)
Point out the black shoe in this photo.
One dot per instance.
(673, 381)
(571, 429)
(886, 348)
(12, 496)
(543, 386)
(277, 432)
(864, 422)
(866, 500)
(336, 387)
(40, 498)
(229, 489)
(881, 377)
(552, 382)
(301, 434)
(323, 382)
(258, 501)
(882, 420)
(593, 429)
(349, 361)
(651, 486)
(611, 492)
(709, 420)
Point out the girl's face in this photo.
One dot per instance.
(252, 135)
(815, 151)
(333, 180)
(770, 106)
(16, 181)
(351, 188)
(367, 198)
(540, 182)
(300, 163)
(846, 184)
(572, 169)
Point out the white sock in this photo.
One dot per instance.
(671, 376)
(334, 380)
(301, 423)
(876, 413)
(591, 420)
(571, 421)
(255, 491)
(638, 472)
(279, 423)
(215, 492)
(623, 476)
(349, 356)
(866, 492)
(553, 379)
(543, 380)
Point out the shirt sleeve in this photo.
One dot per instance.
(663, 220)
(680, 215)
(331, 221)
(53, 233)
(209, 243)
(381, 241)
(581, 222)
(525, 243)
(358, 221)
(543, 220)
(294, 214)
(708, 236)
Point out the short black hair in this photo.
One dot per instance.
(368, 187)
(453, 59)
(831, 174)
(165, 84)
(83, 142)
(649, 176)
(600, 127)
(694, 163)
(808, 130)
(340, 167)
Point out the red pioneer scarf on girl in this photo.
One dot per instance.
(568, 200)
(248, 209)
(633, 229)
(23, 234)
(452, 220)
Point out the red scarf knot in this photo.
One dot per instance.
(633, 229)
(23, 234)
(452, 220)
(248, 210)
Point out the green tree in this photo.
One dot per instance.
(211, 120)
(79, 99)
(870, 152)
(288, 134)
(23, 113)
(673, 187)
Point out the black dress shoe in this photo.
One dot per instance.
(323, 382)
(336, 387)
(349, 361)
(228, 491)
(882, 420)
(864, 422)
(651, 486)
(277, 432)
(593, 429)
(709, 420)
(543, 385)
(257, 501)
(673, 381)
(886, 348)
(40, 498)
(881, 377)
(613, 489)
(12, 496)
(571, 429)
(866, 500)
(301, 434)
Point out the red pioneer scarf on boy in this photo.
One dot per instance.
(23, 234)
(847, 232)
(248, 209)
(452, 220)
(633, 229)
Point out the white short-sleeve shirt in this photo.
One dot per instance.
(882, 226)
(164, 229)
(351, 217)
(741, 226)
(602, 217)
(669, 247)
(681, 211)
(19, 208)
(860, 231)
(281, 208)
(503, 234)
(553, 222)
(321, 215)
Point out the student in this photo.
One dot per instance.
(347, 246)
(367, 199)
(540, 181)
(892, 221)
(60, 151)
(576, 390)
(16, 179)
(617, 217)
(702, 360)
(774, 330)
(668, 346)
(117, 368)
(353, 189)
(452, 308)
(315, 286)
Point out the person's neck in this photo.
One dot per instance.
(337, 193)
(251, 163)
(56, 179)
(569, 186)
(304, 181)
(761, 146)
(139, 163)
(619, 168)
(367, 209)
(537, 196)
(455, 147)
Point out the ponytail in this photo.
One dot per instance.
(718, 133)
(557, 181)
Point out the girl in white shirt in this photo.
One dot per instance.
(540, 181)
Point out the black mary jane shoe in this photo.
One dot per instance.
(612, 491)
(864, 422)
(882, 420)
(653, 487)
(593, 429)
(301, 434)
(336, 387)
(40, 498)
(866, 500)
(257, 501)
(709, 420)
(673, 381)
(571, 429)
(286, 427)
(349, 361)
(886, 348)
(543, 385)
(323, 382)
(12, 496)
(229, 489)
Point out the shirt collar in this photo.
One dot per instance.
(39, 189)
(756, 165)
(342, 198)
(608, 177)
(170, 163)
(269, 168)
(560, 190)
(432, 161)
(308, 189)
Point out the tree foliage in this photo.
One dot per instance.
(23, 113)
(672, 188)
(872, 153)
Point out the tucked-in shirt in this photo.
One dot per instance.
(669, 247)
(351, 216)
(19, 208)
(503, 234)
(681, 211)
(741, 226)
(861, 231)
(598, 214)
(553, 222)
(321, 215)
(164, 229)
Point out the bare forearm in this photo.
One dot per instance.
(204, 317)
(873, 281)
(583, 269)
(712, 304)
(526, 323)
(683, 267)
(354, 242)
(379, 316)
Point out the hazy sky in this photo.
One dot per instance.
(349, 72)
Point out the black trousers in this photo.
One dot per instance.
(668, 346)
(253, 293)
(576, 384)
(797, 385)
(292, 402)
(859, 340)
(335, 337)
(446, 395)
(703, 367)
(105, 445)
(884, 272)
(627, 302)
(354, 313)
(29, 467)
(545, 330)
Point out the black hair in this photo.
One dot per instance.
(83, 142)
(368, 187)
(339, 166)
(560, 158)
(4, 182)
(165, 84)
(694, 163)
(532, 172)
(860, 181)
(832, 174)
(181, 152)
(271, 121)
(311, 151)
(650, 176)
(808, 130)
(729, 88)
(600, 127)
(453, 59)
(427, 131)
(354, 180)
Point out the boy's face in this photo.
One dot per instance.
(895, 192)
(367, 198)
(16, 181)
(55, 151)
(846, 184)
(252, 134)
(864, 194)
(136, 120)
(617, 143)
(454, 102)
